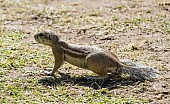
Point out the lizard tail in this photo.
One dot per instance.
(138, 71)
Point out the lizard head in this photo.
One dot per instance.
(46, 38)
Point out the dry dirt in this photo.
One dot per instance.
(134, 29)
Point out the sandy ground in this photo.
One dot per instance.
(134, 29)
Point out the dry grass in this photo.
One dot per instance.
(136, 30)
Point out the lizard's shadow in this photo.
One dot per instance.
(85, 81)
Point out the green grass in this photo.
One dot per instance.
(22, 62)
(20, 78)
